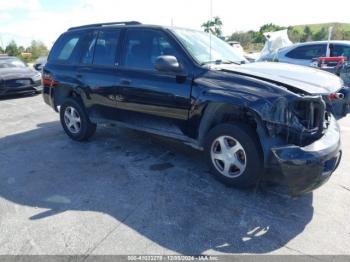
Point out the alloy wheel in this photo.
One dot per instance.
(72, 120)
(228, 156)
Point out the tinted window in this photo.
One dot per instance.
(89, 48)
(144, 46)
(106, 47)
(64, 48)
(307, 52)
(341, 50)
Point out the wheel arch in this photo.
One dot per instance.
(64, 92)
(219, 113)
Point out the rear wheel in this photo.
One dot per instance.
(75, 120)
(234, 155)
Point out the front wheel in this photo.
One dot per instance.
(75, 120)
(234, 154)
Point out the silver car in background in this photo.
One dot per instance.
(304, 53)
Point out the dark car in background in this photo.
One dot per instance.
(17, 78)
(190, 86)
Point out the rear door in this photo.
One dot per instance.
(98, 72)
(342, 50)
(149, 98)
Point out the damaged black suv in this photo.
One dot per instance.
(193, 87)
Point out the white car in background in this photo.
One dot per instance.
(237, 46)
(304, 53)
(250, 57)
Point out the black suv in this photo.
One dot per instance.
(193, 87)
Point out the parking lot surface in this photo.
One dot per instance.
(127, 192)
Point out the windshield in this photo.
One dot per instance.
(11, 63)
(198, 45)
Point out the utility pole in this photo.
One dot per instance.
(211, 19)
(330, 30)
(2, 44)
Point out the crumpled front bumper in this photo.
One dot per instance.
(307, 168)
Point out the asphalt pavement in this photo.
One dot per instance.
(127, 192)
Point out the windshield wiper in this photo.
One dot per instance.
(220, 62)
(231, 62)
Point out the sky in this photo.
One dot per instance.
(45, 20)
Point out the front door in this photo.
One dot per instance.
(149, 98)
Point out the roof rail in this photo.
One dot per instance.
(105, 24)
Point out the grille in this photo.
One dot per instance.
(309, 113)
(17, 83)
(309, 121)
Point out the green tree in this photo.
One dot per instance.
(345, 35)
(340, 34)
(213, 26)
(2, 50)
(294, 35)
(307, 35)
(21, 49)
(37, 48)
(270, 28)
(320, 35)
(244, 38)
(253, 40)
(217, 26)
(259, 36)
(207, 26)
(12, 49)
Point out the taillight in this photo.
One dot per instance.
(47, 80)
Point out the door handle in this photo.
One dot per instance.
(125, 82)
(119, 98)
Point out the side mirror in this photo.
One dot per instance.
(167, 63)
(38, 67)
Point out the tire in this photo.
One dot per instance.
(245, 158)
(75, 111)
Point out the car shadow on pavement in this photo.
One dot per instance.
(159, 188)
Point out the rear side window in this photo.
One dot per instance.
(341, 50)
(65, 48)
(307, 52)
(106, 47)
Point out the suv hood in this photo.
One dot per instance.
(14, 73)
(306, 79)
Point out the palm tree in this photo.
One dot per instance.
(213, 26)
(207, 26)
(217, 26)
